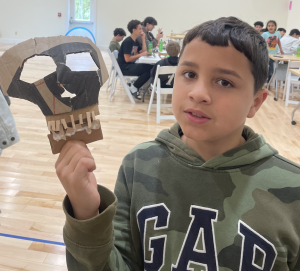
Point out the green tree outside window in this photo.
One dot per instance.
(83, 10)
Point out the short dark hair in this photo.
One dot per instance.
(259, 23)
(119, 31)
(149, 20)
(281, 29)
(230, 30)
(295, 31)
(133, 24)
(273, 22)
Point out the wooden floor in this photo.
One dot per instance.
(30, 192)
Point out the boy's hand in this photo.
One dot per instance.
(281, 51)
(74, 167)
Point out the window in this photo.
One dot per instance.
(83, 10)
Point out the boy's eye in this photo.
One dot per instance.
(224, 83)
(189, 75)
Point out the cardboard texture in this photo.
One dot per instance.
(67, 118)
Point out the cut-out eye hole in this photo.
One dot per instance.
(31, 74)
(81, 62)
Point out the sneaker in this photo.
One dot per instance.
(136, 95)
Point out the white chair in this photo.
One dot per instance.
(117, 74)
(292, 80)
(111, 73)
(159, 91)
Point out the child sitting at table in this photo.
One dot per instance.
(119, 34)
(272, 37)
(167, 80)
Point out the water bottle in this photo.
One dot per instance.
(161, 44)
(298, 51)
(150, 48)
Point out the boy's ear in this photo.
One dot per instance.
(258, 100)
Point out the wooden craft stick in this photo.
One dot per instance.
(57, 125)
(93, 115)
(88, 116)
(62, 133)
(53, 125)
(49, 126)
(80, 119)
(63, 122)
(73, 122)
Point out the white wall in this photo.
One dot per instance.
(293, 17)
(32, 18)
(181, 15)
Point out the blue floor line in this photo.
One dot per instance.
(32, 239)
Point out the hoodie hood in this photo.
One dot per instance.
(254, 149)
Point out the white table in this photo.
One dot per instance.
(149, 59)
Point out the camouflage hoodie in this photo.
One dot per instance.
(237, 211)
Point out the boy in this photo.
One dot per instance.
(290, 43)
(208, 194)
(167, 80)
(130, 51)
(282, 31)
(119, 35)
(148, 25)
(258, 25)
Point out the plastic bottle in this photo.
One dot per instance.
(150, 48)
(161, 44)
(298, 51)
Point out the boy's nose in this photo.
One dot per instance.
(200, 94)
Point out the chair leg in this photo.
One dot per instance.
(157, 105)
(109, 78)
(151, 100)
(113, 88)
(288, 89)
(126, 88)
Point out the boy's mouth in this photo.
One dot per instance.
(196, 116)
(196, 113)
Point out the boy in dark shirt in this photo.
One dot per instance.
(167, 80)
(129, 52)
(119, 35)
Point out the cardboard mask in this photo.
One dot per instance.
(67, 118)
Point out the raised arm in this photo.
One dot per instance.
(93, 243)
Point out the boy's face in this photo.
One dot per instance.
(138, 31)
(216, 83)
(149, 27)
(119, 38)
(258, 28)
(271, 27)
(282, 33)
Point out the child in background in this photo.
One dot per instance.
(119, 35)
(282, 32)
(258, 25)
(272, 37)
(167, 80)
